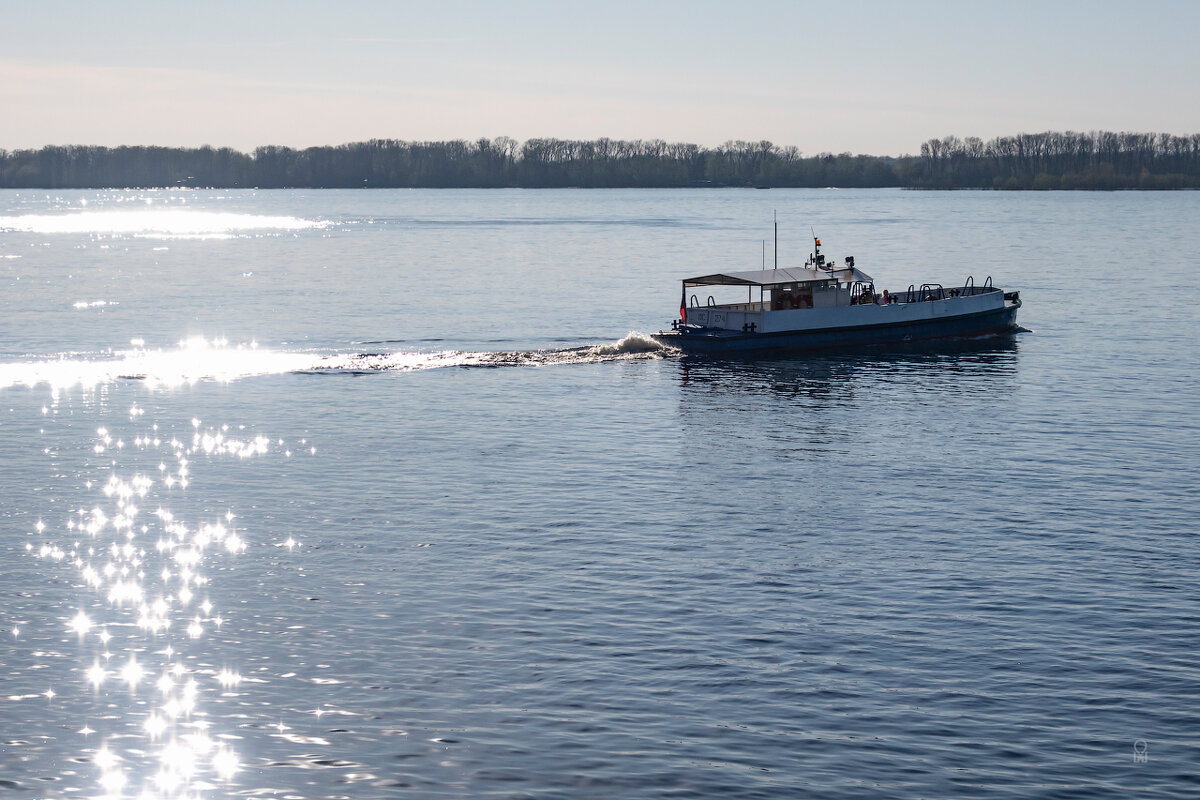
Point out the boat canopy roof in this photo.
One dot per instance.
(778, 277)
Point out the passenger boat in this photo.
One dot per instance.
(824, 306)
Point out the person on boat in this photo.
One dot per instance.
(886, 297)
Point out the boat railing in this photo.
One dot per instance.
(753, 305)
(862, 293)
(969, 289)
(935, 291)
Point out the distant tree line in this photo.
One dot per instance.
(484, 163)
(1098, 160)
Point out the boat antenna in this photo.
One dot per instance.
(776, 213)
(764, 253)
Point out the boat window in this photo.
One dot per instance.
(791, 297)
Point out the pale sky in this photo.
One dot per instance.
(866, 77)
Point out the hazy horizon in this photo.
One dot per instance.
(871, 77)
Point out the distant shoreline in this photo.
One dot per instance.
(1042, 161)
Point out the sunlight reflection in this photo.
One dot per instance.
(225, 762)
(159, 223)
(81, 624)
(132, 672)
(193, 360)
(151, 569)
(96, 675)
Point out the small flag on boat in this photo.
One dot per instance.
(683, 305)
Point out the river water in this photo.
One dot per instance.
(368, 494)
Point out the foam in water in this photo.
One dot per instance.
(634, 343)
(200, 359)
(633, 346)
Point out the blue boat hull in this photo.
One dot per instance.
(986, 323)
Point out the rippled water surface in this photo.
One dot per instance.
(377, 494)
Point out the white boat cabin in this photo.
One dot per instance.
(770, 290)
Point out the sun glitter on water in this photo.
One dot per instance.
(191, 360)
(151, 221)
(146, 609)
